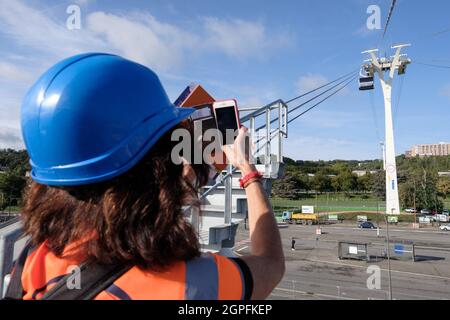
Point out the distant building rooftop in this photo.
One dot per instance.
(424, 150)
(361, 173)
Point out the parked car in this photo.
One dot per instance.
(446, 212)
(367, 225)
(445, 227)
(410, 210)
(425, 211)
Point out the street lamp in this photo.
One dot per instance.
(388, 256)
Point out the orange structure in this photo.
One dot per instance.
(193, 95)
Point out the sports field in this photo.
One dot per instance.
(335, 203)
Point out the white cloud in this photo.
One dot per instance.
(445, 91)
(309, 82)
(36, 30)
(34, 38)
(12, 73)
(241, 39)
(136, 35)
(143, 39)
(10, 138)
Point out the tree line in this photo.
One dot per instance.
(419, 183)
(418, 179)
(14, 166)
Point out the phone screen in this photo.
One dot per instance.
(226, 119)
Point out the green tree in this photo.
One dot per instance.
(406, 194)
(336, 184)
(443, 186)
(348, 181)
(321, 182)
(11, 186)
(13, 167)
(365, 182)
(287, 188)
(421, 185)
(379, 185)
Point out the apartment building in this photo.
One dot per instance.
(422, 150)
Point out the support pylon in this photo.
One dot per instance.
(382, 66)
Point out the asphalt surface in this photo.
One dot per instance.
(314, 271)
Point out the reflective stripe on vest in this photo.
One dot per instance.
(202, 281)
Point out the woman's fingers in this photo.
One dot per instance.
(238, 154)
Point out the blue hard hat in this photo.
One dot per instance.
(92, 117)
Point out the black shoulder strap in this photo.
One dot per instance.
(15, 289)
(94, 278)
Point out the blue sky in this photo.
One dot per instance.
(255, 51)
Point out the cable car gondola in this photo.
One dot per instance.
(366, 80)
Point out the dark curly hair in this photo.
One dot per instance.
(137, 218)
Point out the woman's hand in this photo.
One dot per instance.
(239, 154)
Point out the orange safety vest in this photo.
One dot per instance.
(208, 277)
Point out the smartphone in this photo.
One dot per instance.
(227, 117)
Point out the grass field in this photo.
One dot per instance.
(334, 203)
(330, 204)
(322, 203)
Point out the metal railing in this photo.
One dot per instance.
(10, 246)
(306, 289)
(263, 132)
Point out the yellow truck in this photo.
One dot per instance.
(301, 218)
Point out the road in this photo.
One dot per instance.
(314, 271)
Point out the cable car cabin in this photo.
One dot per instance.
(366, 81)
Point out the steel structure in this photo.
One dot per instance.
(268, 137)
(268, 127)
(386, 68)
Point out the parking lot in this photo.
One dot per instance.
(314, 271)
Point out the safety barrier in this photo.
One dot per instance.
(304, 288)
(403, 250)
(353, 250)
(398, 250)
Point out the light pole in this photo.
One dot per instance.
(414, 200)
(378, 218)
(228, 195)
(388, 257)
(380, 66)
